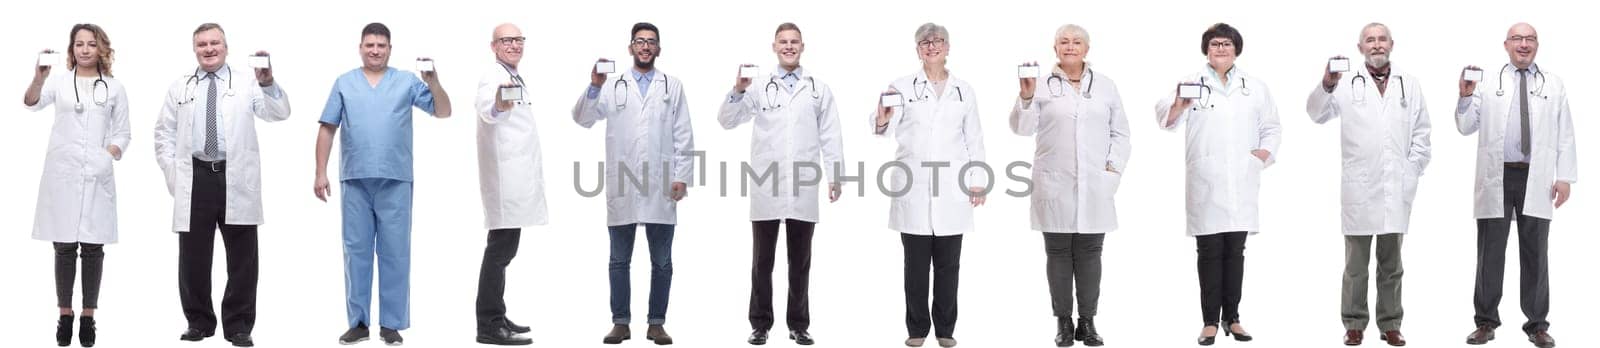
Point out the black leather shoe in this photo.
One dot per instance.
(86, 332)
(1207, 340)
(1241, 336)
(64, 330)
(241, 340)
(1087, 333)
(517, 328)
(757, 337)
(1064, 334)
(195, 335)
(1542, 339)
(502, 336)
(1482, 335)
(801, 337)
(618, 334)
(355, 335)
(658, 334)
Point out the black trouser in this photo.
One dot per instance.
(765, 249)
(206, 215)
(1221, 268)
(67, 255)
(945, 254)
(1073, 258)
(1533, 240)
(497, 254)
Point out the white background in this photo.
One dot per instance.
(558, 282)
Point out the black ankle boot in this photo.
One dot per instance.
(64, 330)
(1087, 333)
(86, 331)
(1064, 331)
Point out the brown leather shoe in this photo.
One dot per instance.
(658, 334)
(1482, 335)
(618, 334)
(1352, 337)
(1394, 338)
(1542, 339)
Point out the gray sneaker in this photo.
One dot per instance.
(390, 337)
(355, 335)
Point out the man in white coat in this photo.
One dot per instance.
(648, 138)
(1384, 134)
(205, 141)
(1527, 162)
(796, 124)
(510, 178)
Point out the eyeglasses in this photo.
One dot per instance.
(1221, 44)
(646, 42)
(931, 43)
(1532, 39)
(512, 40)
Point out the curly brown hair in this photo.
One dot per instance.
(103, 42)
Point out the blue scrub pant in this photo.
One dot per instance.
(377, 218)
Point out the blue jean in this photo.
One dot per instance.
(377, 220)
(660, 238)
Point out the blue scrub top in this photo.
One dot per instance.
(375, 123)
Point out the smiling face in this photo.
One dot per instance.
(788, 46)
(507, 44)
(1071, 48)
(210, 49)
(85, 49)
(646, 46)
(1220, 53)
(1376, 45)
(933, 50)
(374, 52)
(1522, 45)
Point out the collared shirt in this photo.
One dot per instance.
(224, 78)
(790, 77)
(1513, 143)
(375, 123)
(1225, 83)
(641, 79)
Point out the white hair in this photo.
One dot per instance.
(929, 30)
(1074, 30)
(1363, 36)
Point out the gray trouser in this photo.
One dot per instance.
(1073, 258)
(1353, 302)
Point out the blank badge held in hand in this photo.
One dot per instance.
(1470, 74)
(260, 62)
(892, 100)
(605, 67)
(424, 65)
(513, 93)
(1027, 71)
(749, 71)
(1190, 90)
(51, 59)
(1339, 65)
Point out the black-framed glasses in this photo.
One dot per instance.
(646, 42)
(1532, 39)
(512, 40)
(1221, 44)
(931, 43)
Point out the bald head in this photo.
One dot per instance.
(507, 44)
(1522, 45)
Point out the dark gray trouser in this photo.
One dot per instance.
(1073, 258)
(94, 256)
(1353, 302)
(1533, 243)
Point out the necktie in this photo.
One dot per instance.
(1522, 96)
(211, 117)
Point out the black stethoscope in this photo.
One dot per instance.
(1244, 87)
(772, 89)
(193, 83)
(1538, 77)
(1361, 96)
(923, 90)
(1058, 88)
(621, 96)
(516, 80)
(95, 92)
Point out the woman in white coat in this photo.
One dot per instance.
(77, 205)
(1081, 147)
(937, 129)
(1231, 135)
(510, 179)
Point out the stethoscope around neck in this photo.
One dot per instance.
(100, 93)
(193, 83)
(1058, 84)
(922, 90)
(1361, 95)
(619, 91)
(1244, 88)
(516, 81)
(771, 92)
(1538, 78)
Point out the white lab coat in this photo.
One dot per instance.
(795, 130)
(932, 129)
(1554, 154)
(645, 133)
(510, 164)
(1075, 138)
(1223, 179)
(1386, 147)
(78, 191)
(237, 110)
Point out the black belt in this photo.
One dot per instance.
(1517, 165)
(216, 167)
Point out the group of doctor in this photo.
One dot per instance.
(206, 146)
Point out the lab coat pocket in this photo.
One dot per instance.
(100, 164)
